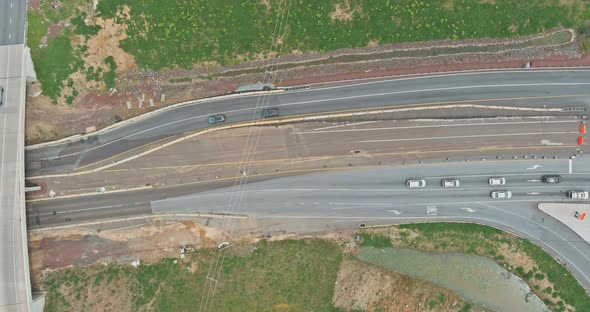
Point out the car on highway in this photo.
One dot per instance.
(216, 119)
(497, 181)
(414, 183)
(578, 194)
(448, 183)
(270, 112)
(1, 95)
(552, 179)
(501, 194)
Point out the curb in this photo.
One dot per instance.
(291, 120)
(123, 123)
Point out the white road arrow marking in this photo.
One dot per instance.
(533, 167)
(469, 209)
(394, 211)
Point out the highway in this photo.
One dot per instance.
(15, 286)
(375, 193)
(380, 196)
(12, 22)
(370, 195)
(562, 88)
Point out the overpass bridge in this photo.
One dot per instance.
(15, 283)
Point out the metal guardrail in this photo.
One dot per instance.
(295, 88)
(574, 109)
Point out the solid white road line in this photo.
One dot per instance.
(352, 124)
(434, 126)
(548, 229)
(332, 100)
(466, 137)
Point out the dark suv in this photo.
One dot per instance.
(553, 179)
(270, 112)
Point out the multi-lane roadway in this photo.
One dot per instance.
(15, 286)
(562, 88)
(360, 195)
(380, 195)
(12, 22)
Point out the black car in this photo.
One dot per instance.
(270, 112)
(553, 179)
(1, 95)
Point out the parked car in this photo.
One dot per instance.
(553, 179)
(501, 194)
(216, 119)
(497, 181)
(450, 183)
(270, 112)
(416, 183)
(578, 195)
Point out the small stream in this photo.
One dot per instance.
(478, 279)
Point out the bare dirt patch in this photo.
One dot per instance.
(94, 107)
(107, 43)
(343, 11)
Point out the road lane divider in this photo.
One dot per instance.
(281, 173)
(300, 118)
(78, 137)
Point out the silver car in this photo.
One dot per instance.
(501, 194)
(578, 195)
(416, 183)
(497, 181)
(448, 183)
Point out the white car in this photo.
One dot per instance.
(501, 194)
(578, 194)
(450, 183)
(416, 183)
(497, 181)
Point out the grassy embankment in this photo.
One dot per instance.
(279, 276)
(502, 247)
(163, 36)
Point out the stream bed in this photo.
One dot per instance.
(478, 279)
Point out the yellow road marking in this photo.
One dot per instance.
(292, 119)
(346, 168)
(296, 171)
(342, 156)
(123, 153)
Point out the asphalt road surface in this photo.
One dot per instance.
(373, 195)
(12, 21)
(519, 88)
(15, 288)
(380, 195)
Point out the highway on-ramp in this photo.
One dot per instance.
(559, 88)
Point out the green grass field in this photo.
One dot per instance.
(163, 35)
(486, 241)
(278, 276)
